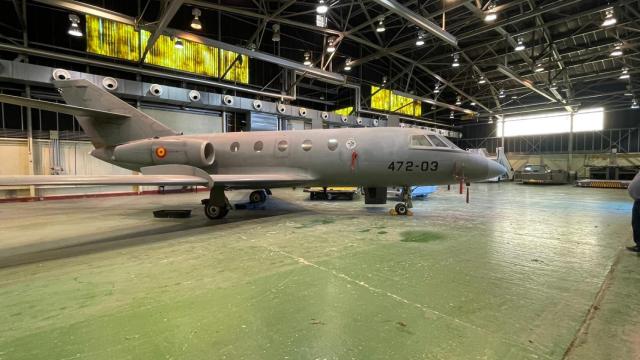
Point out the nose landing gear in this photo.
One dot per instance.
(406, 204)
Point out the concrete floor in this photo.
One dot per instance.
(522, 272)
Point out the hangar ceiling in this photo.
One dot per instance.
(534, 55)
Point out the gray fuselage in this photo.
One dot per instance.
(370, 157)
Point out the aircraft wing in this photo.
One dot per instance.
(61, 108)
(64, 180)
(250, 181)
(258, 181)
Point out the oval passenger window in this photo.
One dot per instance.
(235, 147)
(306, 145)
(257, 147)
(332, 144)
(283, 145)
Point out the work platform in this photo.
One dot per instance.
(603, 184)
(519, 273)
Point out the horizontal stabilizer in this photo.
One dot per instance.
(61, 108)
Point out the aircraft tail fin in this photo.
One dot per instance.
(105, 131)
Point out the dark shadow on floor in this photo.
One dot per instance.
(129, 237)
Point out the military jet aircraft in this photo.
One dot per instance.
(373, 158)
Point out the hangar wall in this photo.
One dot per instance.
(76, 160)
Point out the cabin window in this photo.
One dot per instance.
(437, 141)
(235, 147)
(257, 147)
(283, 145)
(306, 145)
(420, 140)
(448, 142)
(332, 144)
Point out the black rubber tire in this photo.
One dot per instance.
(401, 209)
(330, 196)
(215, 212)
(257, 196)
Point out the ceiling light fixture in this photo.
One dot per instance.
(458, 101)
(491, 14)
(634, 104)
(625, 74)
(451, 115)
(322, 7)
(74, 29)
(456, 60)
(276, 33)
(473, 103)
(380, 28)
(553, 86)
(617, 50)
(482, 80)
(307, 58)
(420, 40)
(520, 45)
(178, 44)
(539, 68)
(436, 89)
(628, 91)
(195, 23)
(501, 94)
(609, 19)
(347, 64)
(331, 46)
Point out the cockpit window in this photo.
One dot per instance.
(420, 140)
(437, 141)
(448, 142)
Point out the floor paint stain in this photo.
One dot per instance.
(420, 236)
(315, 223)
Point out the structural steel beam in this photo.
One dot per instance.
(436, 103)
(83, 8)
(418, 20)
(138, 70)
(506, 71)
(167, 15)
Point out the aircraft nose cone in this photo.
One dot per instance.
(495, 169)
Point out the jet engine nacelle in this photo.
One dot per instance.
(191, 152)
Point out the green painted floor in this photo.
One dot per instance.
(522, 272)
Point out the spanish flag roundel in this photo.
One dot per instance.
(161, 152)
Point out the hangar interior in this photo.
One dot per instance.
(517, 271)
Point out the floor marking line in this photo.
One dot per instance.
(400, 299)
(597, 301)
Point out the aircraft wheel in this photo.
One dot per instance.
(401, 209)
(329, 196)
(215, 212)
(257, 196)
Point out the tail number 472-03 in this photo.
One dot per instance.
(413, 166)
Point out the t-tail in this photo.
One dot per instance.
(115, 122)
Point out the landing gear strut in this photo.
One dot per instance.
(216, 206)
(403, 207)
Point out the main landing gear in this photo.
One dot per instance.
(406, 204)
(217, 205)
